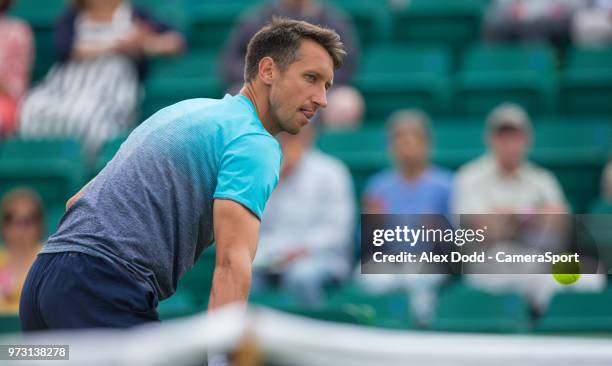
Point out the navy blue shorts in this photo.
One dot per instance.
(74, 291)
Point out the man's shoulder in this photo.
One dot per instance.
(227, 107)
(385, 179)
(228, 118)
(533, 171)
(477, 168)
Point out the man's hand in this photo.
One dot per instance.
(236, 235)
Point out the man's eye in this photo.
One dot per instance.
(310, 77)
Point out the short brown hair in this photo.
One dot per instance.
(281, 38)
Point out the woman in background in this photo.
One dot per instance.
(16, 52)
(92, 93)
(22, 229)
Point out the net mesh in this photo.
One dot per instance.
(283, 339)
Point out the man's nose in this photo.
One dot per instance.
(320, 98)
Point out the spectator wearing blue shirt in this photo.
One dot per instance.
(413, 186)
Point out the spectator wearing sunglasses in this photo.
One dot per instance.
(22, 229)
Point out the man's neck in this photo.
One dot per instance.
(259, 97)
(508, 170)
(413, 171)
(103, 11)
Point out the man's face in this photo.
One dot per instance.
(409, 145)
(509, 145)
(21, 226)
(299, 91)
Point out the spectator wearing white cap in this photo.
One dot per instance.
(504, 183)
(503, 180)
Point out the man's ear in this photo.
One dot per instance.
(267, 70)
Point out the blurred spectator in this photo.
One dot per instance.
(22, 231)
(592, 25)
(502, 180)
(92, 93)
(606, 182)
(345, 108)
(307, 227)
(16, 53)
(414, 186)
(503, 184)
(530, 20)
(311, 11)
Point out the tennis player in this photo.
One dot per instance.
(195, 172)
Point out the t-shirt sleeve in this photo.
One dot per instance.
(249, 171)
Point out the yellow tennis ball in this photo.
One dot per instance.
(566, 272)
(565, 278)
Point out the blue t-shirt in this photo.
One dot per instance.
(150, 208)
(429, 194)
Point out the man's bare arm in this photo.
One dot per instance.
(236, 235)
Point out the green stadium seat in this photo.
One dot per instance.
(53, 168)
(349, 314)
(42, 19)
(578, 312)
(601, 207)
(364, 151)
(340, 313)
(491, 75)
(392, 309)
(371, 20)
(456, 144)
(177, 306)
(274, 298)
(394, 77)
(288, 302)
(35, 14)
(193, 290)
(53, 216)
(464, 309)
(586, 84)
(9, 323)
(172, 12)
(194, 75)
(455, 23)
(576, 153)
(211, 22)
